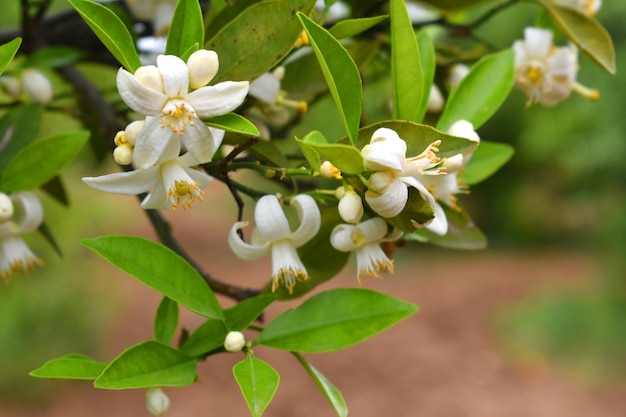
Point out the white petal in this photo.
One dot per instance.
(310, 219)
(538, 41)
(157, 199)
(270, 219)
(6, 208)
(129, 183)
(152, 143)
(199, 142)
(175, 75)
(373, 230)
(218, 136)
(15, 257)
(342, 237)
(201, 178)
(370, 259)
(218, 99)
(439, 224)
(390, 202)
(245, 250)
(265, 88)
(385, 151)
(286, 265)
(29, 211)
(138, 97)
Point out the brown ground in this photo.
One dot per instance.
(442, 362)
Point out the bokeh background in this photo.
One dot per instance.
(532, 326)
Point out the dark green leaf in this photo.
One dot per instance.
(209, 336)
(40, 161)
(340, 72)
(186, 29)
(586, 32)
(148, 364)
(245, 312)
(7, 52)
(71, 366)
(54, 57)
(233, 122)
(110, 30)
(345, 157)
(55, 189)
(486, 160)
(351, 27)
(462, 232)
(166, 320)
(159, 268)
(334, 320)
(407, 77)
(18, 128)
(258, 382)
(331, 392)
(417, 211)
(428, 62)
(481, 92)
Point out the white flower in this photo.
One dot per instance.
(388, 194)
(37, 85)
(456, 73)
(272, 101)
(163, 92)
(159, 12)
(546, 73)
(350, 206)
(273, 236)
(157, 402)
(234, 342)
(435, 100)
(365, 239)
(15, 256)
(588, 7)
(172, 180)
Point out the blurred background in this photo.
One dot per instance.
(532, 326)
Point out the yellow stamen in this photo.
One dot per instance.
(184, 193)
(590, 93)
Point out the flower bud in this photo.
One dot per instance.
(351, 207)
(6, 208)
(234, 342)
(464, 129)
(37, 85)
(123, 154)
(328, 170)
(203, 65)
(456, 73)
(133, 130)
(12, 86)
(435, 100)
(149, 76)
(157, 402)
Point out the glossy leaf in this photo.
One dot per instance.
(110, 30)
(258, 382)
(351, 27)
(340, 72)
(334, 320)
(345, 157)
(586, 32)
(428, 62)
(233, 122)
(242, 314)
(7, 52)
(462, 232)
(18, 128)
(166, 320)
(481, 92)
(148, 364)
(407, 77)
(40, 161)
(159, 268)
(332, 394)
(54, 57)
(72, 366)
(486, 160)
(209, 336)
(251, 43)
(186, 29)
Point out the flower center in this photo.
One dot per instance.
(176, 114)
(184, 193)
(534, 73)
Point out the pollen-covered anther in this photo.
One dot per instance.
(20, 266)
(288, 277)
(176, 114)
(184, 193)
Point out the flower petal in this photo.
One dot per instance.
(218, 136)
(373, 230)
(265, 88)
(218, 99)
(438, 225)
(341, 237)
(310, 219)
(391, 201)
(129, 183)
(137, 96)
(157, 199)
(270, 219)
(199, 142)
(152, 143)
(386, 150)
(245, 250)
(538, 41)
(286, 265)
(29, 211)
(175, 75)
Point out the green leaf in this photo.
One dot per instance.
(308, 151)
(481, 92)
(159, 268)
(251, 42)
(351, 27)
(186, 29)
(428, 62)
(148, 364)
(40, 161)
(345, 157)
(258, 382)
(334, 320)
(462, 232)
(233, 122)
(54, 57)
(245, 312)
(417, 211)
(331, 392)
(7, 52)
(71, 366)
(166, 320)
(209, 336)
(18, 128)
(486, 160)
(340, 72)
(586, 32)
(111, 31)
(407, 77)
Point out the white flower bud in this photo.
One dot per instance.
(351, 207)
(453, 163)
(6, 208)
(464, 129)
(203, 65)
(123, 154)
(340, 192)
(133, 130)
(12, 86)
(435, 100)
(150, 76)
(328, 170)
(234, 342)
(37, 85)
(157, 402)
(456, 73)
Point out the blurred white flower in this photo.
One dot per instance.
(37, 85)
(588, 7)
(455, 74)
(272, 101)
(274, 236)
(157, 402)
(158, 12)
(435, 100)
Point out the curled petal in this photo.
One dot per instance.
(270, 219)
(343, 236)
(6, 208)
(310, 219)
(218, 99)
(245, 250)
(142, 99)
(175, 75)
(391, 201)
(29, 211)
(129, 183)
(373, 230)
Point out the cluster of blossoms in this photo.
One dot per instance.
(32, 81)
(19, 213)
